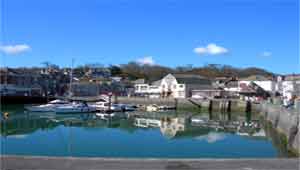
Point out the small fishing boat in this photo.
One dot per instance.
(49, 107)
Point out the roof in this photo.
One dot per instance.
(232, 84)
(293, 77)
(156, 83)
(139, 81)
(256, 78)
(19, 72)
(246, 89)
(191, 79)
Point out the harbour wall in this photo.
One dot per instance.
(186, 103)
(284, 120)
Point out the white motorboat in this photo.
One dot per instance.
(49, 107)
(75, 107)
(104, 106)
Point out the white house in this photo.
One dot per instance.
(155, 89)
(263, 82)
(288, 85)
(175, 86)
(232, 86)
(141, 89)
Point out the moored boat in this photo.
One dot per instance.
(104, 106)
(49, 107)
(75, 107)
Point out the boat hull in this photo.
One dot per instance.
(75, 110)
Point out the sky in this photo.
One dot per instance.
(241, 33)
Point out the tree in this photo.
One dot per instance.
(115, 70)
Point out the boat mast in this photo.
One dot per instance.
(71, 78)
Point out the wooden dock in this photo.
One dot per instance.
(70, 163)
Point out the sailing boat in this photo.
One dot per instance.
(49, 107)
(76, 106)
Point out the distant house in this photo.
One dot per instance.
(140, 87)
(265, 83)
(155, 89)
(98, 73)
(139, 81)
(288, 85)
(116, 79)
(229, 85)
(85, 89)
(175, 86)
(13, 82)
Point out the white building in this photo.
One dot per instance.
(288, 86)
(175, 86)
(263, 82)
(141, 89)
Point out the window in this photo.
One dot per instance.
(143, 87)
(181, 86)
(174, 86)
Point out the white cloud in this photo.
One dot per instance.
(14, 49)
(211, 49)
(212, 137)
(266, 54)
(148, 60)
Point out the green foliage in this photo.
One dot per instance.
(133, 70)
(155, 72)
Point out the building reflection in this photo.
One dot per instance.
(193, 126)
(210, 127)
(170, 126)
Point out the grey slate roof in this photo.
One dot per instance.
(139, 81)
(256, 78)
(191, 79)
(156, 83)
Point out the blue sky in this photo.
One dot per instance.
(242, 33)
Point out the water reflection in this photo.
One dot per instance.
(195, 125)
(170, 125)
(203, 127)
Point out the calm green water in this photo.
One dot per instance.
(148, 135)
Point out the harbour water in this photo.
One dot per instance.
(139, 135)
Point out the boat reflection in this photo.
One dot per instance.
(170, 125)
(208, 127)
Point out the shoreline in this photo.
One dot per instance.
(71, 163)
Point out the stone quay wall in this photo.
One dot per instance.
(284, 120)
(216, 104)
